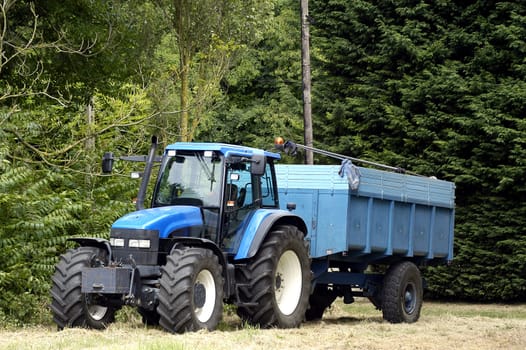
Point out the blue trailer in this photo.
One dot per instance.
(390, 219)
(281, 242)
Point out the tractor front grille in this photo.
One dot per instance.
(135, 246)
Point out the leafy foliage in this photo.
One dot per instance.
(201, 42)
(35, 223)
(264, 88)
(51, 189)
(437, 88)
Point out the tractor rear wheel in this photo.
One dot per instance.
(71, 307)
(277, 281)
(402, 293)
(191, 292)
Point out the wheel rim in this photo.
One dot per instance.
(288, 282)
(204, 295)
(97, 312)
(409, 298)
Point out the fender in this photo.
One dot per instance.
(262, 221)
(94, 242)
(200, 243)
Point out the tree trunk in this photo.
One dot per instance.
(185, 72)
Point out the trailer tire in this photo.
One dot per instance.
(319, 301)
(191, 291)
(402, 293)
(71, 307)
(277, 281)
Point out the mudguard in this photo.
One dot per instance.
(260, 224)
(93, 242)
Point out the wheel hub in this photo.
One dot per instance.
(409, 299)
(199, 295)
(95, 310)
(278, 281)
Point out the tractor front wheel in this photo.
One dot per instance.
(191, 293)
(71, 307)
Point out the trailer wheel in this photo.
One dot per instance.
(402, 293)
(278, 281)
(71, 307)
(191, 292)
(319, 301)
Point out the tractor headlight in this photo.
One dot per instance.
(117, 242)
(139, 243)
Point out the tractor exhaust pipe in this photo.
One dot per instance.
(139, 205)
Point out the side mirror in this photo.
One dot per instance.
(107, 162)
(258, 164)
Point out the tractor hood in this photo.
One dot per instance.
(162, 219)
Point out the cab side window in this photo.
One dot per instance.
(268, 194)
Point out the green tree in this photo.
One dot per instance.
(51, 189)
(264, 87)
(205, 36)
(437, 88)
(55, 58)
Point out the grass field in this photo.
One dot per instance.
(355, 326)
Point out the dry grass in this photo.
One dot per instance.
(356, 326)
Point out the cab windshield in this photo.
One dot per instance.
(191, 178)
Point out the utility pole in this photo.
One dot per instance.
(306, 79)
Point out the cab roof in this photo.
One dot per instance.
(222, 148)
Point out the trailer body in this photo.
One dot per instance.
(389, 216)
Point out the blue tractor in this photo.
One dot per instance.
(216, 233)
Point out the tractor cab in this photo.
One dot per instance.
(206, 191)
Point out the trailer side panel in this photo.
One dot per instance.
(389, 216)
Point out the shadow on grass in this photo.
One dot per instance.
(347, 320)
(231, 322)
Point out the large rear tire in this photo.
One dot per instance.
(71, 307)
(277, 281)
(191, 293)
(402, 294)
